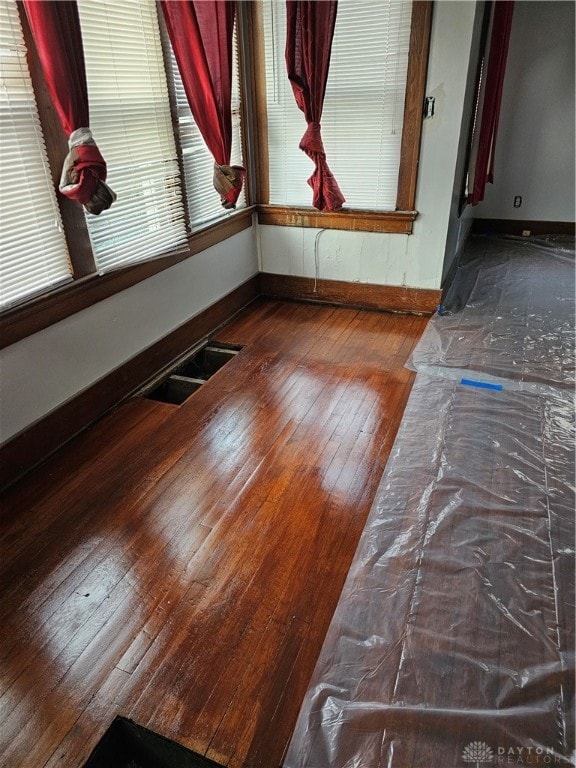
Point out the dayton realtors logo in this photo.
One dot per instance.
(478, 754)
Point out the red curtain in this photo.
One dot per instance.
(499, 41)
(308, 47)
(55, 27)
(201, 36)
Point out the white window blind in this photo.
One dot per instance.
(33, 254)
(363, 109)
(203, 201)
(131, 123)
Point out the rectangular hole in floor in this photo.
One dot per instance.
(188, 376)
(128, 745)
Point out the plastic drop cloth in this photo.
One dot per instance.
(518, 322)
(453, 640)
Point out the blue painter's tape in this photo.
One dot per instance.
(481, 384)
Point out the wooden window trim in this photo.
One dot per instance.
(252, 27)
(413, 106)
(399, 221)
(32, 316)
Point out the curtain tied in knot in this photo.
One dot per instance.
(228, 180)
(311, 142)
(327, 194)
(310, 29)
(84, 173)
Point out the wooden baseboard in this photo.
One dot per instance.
(38, 441)
(394, 298)
(517, 227)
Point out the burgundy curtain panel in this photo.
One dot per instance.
(308, 47)
(55, 27)
(201, 35)
(499, 41)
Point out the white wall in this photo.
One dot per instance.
(535, 145)
(48, 368)
(414, 260)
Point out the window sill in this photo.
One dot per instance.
(25, 319)
(396, 222)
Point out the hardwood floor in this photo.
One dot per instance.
(180, 565)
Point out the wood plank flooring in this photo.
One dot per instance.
(180, 565)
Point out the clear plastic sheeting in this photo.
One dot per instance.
(453, 640)
(518, 317)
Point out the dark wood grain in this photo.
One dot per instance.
(256, 127)
(180, 565)
(414, 104)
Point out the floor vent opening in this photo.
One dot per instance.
(128, 745)
(189, 375)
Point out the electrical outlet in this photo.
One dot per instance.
(429, 106)
(526, 232)
(517, 201)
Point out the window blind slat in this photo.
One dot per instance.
(131, 122)
(33, 252)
